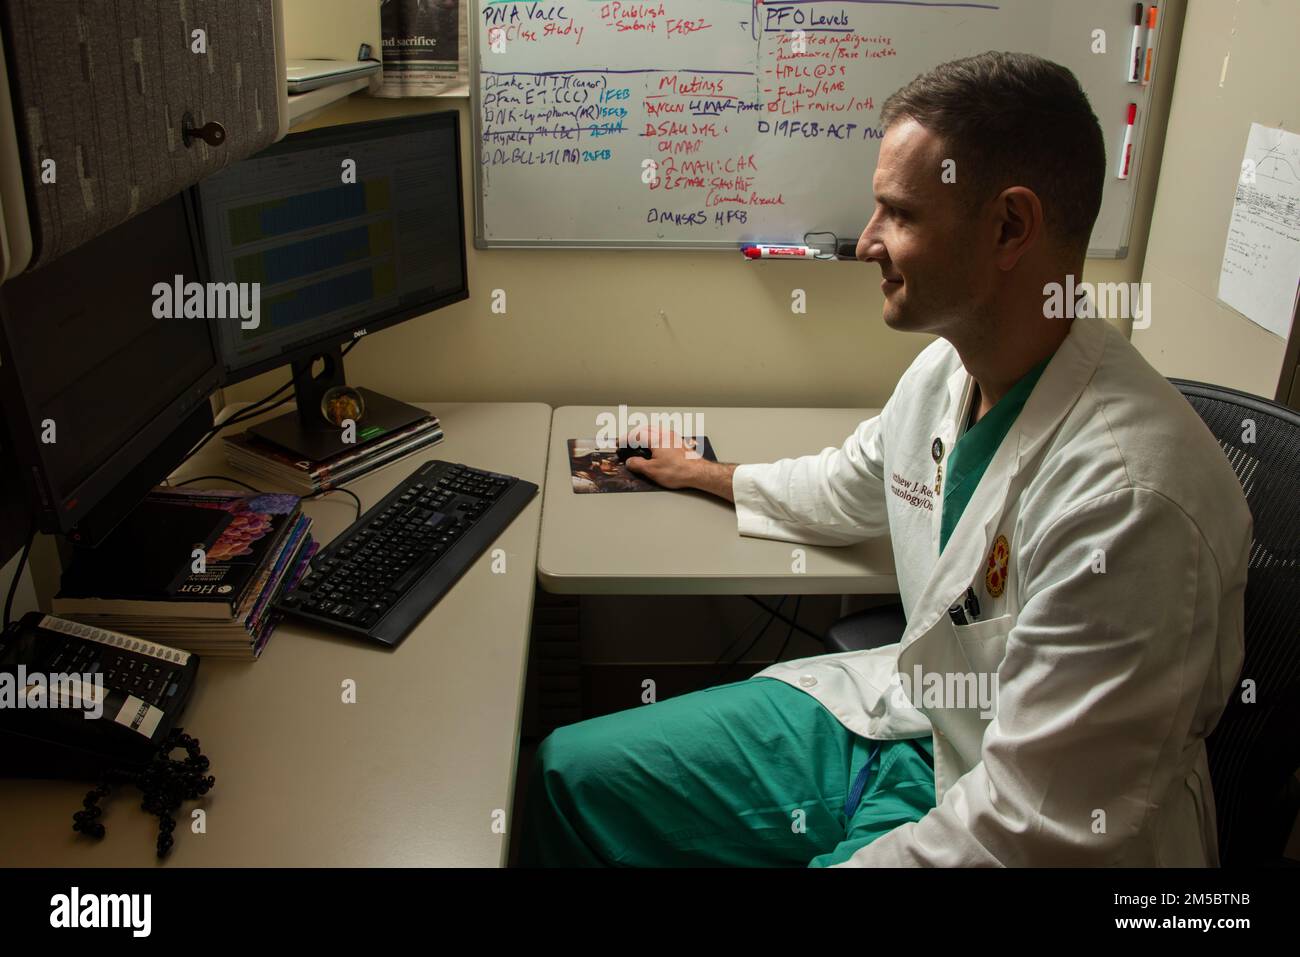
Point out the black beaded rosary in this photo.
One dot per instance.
(165, 783)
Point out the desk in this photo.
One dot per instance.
(408, 775)
(686, 543)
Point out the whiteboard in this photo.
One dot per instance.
(757, 134)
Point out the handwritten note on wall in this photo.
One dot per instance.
(1261, 259)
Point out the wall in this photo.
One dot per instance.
(1192, 335)
(330, 29)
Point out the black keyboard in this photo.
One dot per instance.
(378, 578)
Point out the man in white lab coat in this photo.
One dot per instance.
(1070, 542)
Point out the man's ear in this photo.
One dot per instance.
(1019, 223)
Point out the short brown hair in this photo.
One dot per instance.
(1011, 119)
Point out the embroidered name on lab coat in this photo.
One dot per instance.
(912, 491)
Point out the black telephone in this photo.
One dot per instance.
(76, 701)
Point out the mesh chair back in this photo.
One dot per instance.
(1255, 749)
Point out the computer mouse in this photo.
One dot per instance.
(626, 452)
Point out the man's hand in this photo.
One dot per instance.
(676, 464)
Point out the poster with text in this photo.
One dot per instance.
(426, 47)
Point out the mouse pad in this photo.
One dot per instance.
(595, 467)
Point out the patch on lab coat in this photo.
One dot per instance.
(995, 573)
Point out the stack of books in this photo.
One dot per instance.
(267, 460)
(194, 569)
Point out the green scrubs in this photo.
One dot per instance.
(755, 773)
(975, 449)
(749, 774)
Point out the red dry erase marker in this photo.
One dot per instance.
(780, 252)
(1126, 151)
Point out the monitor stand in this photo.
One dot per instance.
(307, 435)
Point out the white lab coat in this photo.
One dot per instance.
(1108, 680)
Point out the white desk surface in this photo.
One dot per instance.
(686, 543)
(411, 774)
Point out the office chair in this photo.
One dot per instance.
(871, 628)
(1255, 749)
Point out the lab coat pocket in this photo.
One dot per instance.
(984, 643)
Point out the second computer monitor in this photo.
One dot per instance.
(346, 230)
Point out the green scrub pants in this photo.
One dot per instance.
(755, 773)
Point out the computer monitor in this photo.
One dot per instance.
(101, 398)
(347, 230)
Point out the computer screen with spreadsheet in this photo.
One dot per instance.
(344, 230)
